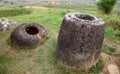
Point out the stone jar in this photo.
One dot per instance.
(80, 40)
(28, 35)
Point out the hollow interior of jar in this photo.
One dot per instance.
(32, 30)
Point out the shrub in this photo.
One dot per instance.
(21, 6)
(106, 6)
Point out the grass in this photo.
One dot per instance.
(41, 60)
(72, 6)
(3, 69)
(5, 12)
(96, 69)
(4, 62)
(109, 50)
(112, 34)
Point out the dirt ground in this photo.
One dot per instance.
(112, 65)
(36, 7)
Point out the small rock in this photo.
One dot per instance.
(113, 69)
(6, 24)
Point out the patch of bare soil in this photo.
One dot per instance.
(112, 63)
(36, 7)
(109, 43)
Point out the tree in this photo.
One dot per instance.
(106, 6)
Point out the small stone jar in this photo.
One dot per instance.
(28, 35)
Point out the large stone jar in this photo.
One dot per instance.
(28, 35)
(80, 40)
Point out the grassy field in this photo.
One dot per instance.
(41, 60)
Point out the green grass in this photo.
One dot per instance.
(3, 69)
(109, 50)
(72, 6)
(41, 60)
(5, 12)
(98, 67)
(112, 34)
(4, 63)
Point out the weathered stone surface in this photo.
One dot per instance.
(28, 35)
(6, 24)
(80, 40)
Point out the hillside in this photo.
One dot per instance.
(78, 1)
(81, 1)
